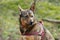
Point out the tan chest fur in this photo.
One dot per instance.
(30, 38)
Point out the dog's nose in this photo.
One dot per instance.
(31, 23)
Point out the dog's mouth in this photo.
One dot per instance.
(31, 23)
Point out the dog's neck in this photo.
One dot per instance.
(27, 28)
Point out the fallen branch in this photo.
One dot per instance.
(52, 21)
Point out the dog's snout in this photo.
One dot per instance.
(31, 22)
(31, 19)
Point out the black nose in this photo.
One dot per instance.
(31, 23)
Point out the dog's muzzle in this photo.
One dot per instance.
(31, 23)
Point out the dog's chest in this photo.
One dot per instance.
(30, 37)
(38, 31)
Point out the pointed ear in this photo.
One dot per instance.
(33, 6)
(19, 7)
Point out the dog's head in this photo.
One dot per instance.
(27, 16)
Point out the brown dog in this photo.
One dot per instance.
(29, 26)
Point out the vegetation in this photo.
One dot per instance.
(9, 14)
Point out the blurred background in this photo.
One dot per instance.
(45, 9)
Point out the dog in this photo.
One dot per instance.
(30, 26)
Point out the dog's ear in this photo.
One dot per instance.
(19, 7)
(33, 6)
